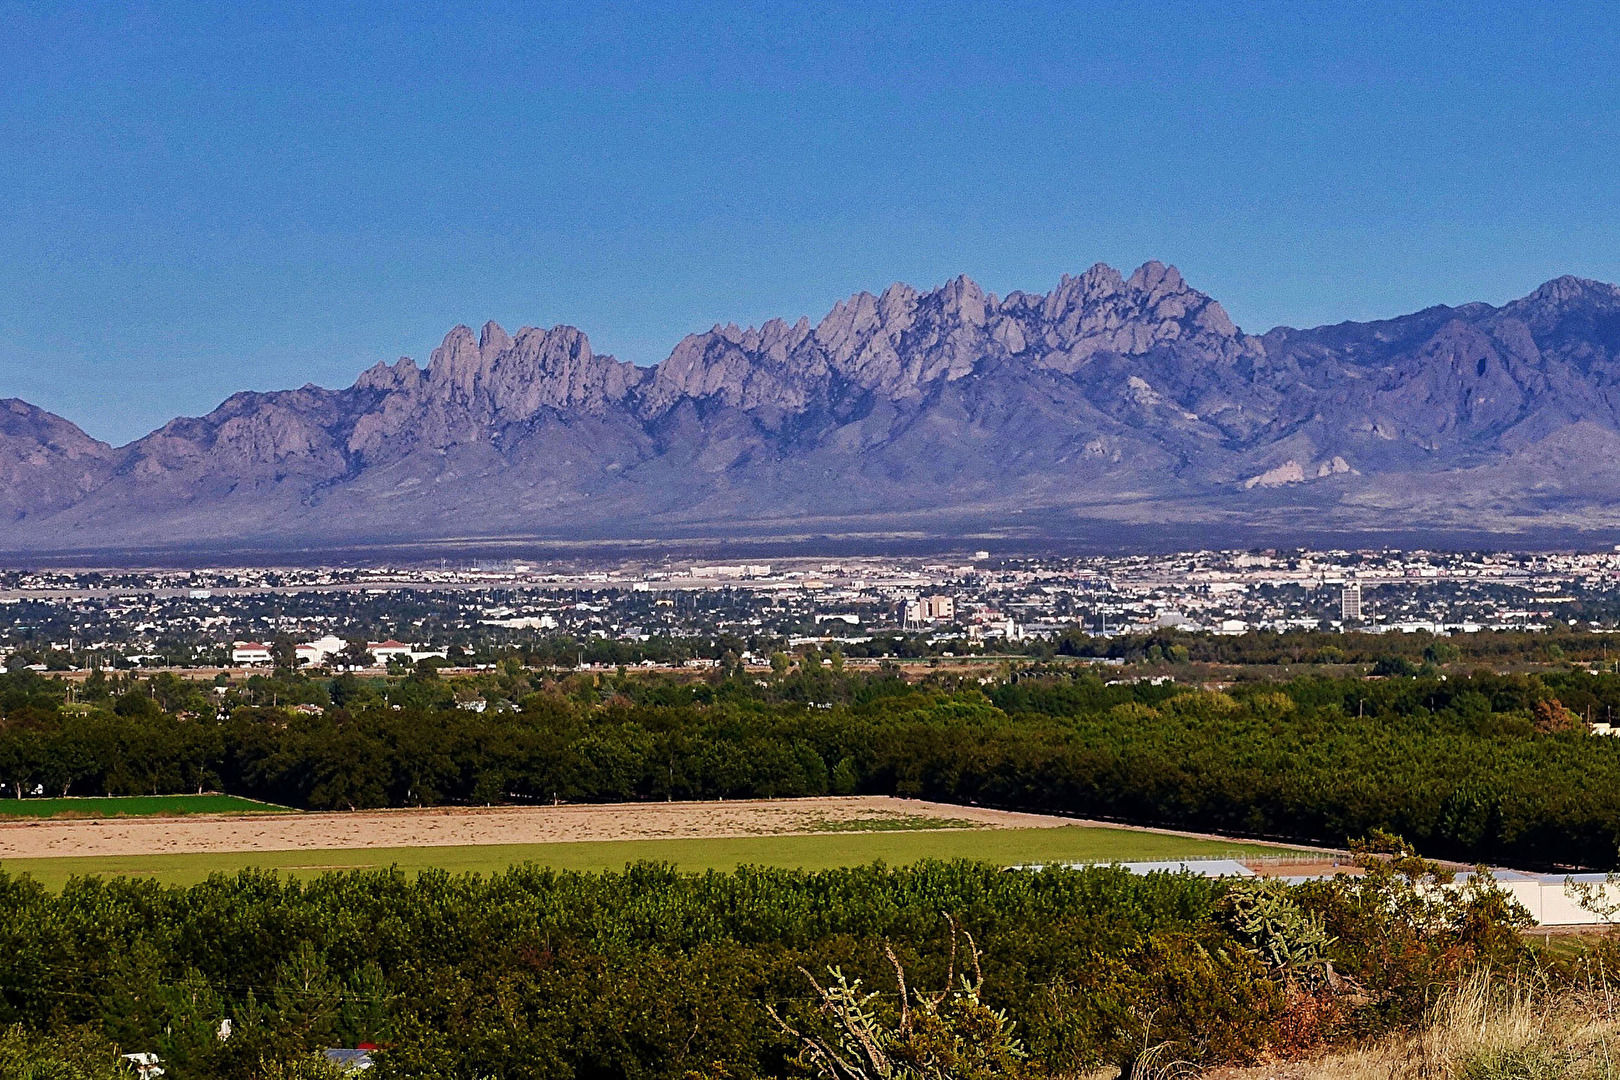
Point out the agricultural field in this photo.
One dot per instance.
(510, 892)
(135, 806)
(1076, 844)
(811, 834)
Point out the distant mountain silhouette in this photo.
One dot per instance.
(1109, 401)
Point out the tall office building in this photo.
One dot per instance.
(929, 609)
(1350, 602)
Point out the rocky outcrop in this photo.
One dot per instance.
(1108, 399)
(902, 343)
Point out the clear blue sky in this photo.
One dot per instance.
(200, 199)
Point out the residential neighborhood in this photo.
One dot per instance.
(972, 602)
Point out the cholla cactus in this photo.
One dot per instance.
(946, 1035)
(1292, 942)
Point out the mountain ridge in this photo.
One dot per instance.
(1108, 399)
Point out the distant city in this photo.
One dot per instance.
(684, 613)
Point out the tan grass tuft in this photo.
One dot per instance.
(1486, 1029)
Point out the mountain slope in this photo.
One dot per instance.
(1109, 399)
(46, 462)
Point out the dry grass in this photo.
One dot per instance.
(458, 826)
(1488, 1029)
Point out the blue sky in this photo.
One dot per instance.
(196, 199)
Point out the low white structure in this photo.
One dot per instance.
(388, 650)
(244, 653)
(526, 622)
(317, 652)
(1550, 899)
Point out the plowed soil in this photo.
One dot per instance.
(466, 826)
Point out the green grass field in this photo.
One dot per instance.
(1007, 847)
(136, 806)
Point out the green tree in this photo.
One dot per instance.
(346, 690)
(355, 654)
(284, 652)
(844, 779)
(69, 1055)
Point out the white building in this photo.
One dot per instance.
(319, 651)
(250, 653)
(732, 573)
(388, 650)
(244, 653)
(1350, 602)
(928, 609)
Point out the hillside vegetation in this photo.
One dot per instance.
(650, 973)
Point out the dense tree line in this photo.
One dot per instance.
(1479, 766)
(1268, 647)
(653, 974)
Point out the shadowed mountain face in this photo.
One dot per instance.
(1108, 400)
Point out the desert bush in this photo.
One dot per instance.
(1404, 930)
(947, 1034)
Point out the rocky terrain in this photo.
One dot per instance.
(1108, 403)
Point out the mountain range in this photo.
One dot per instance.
(1111, 402)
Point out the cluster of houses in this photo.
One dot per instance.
(325, 651)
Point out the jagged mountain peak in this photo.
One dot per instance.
(1157, 278)
(1569, 289)
(402, 374)
(492, 340)
(1110, 393)
(465, 360)
(502, 379)
(901, 342)
(1100, 280)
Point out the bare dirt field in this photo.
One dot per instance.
(464, 826)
